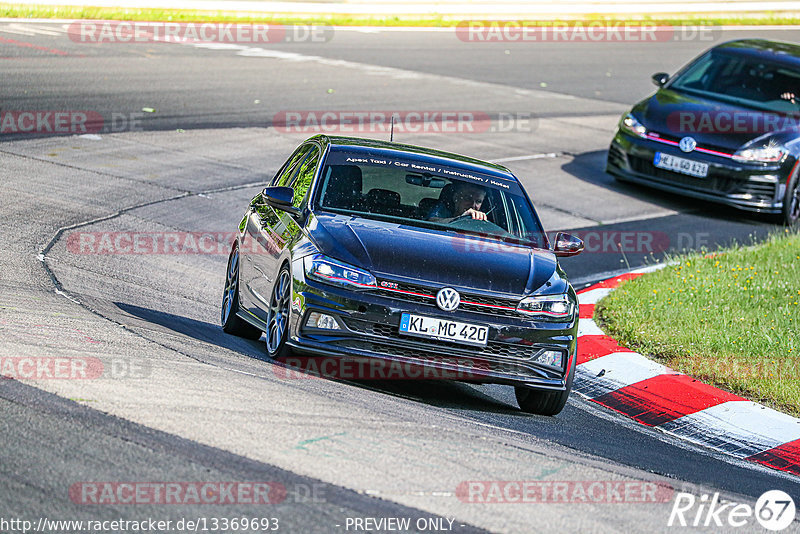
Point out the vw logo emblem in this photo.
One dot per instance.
(688, 144)
(448, 299)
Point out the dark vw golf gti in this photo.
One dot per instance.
(380, 252)
(724, 129)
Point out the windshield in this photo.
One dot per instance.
(743, 80)
(415, 193)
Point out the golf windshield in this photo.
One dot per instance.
(743, 80)
(373, 185)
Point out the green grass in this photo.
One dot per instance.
(728, 318)
(177, 15)
(11, 10)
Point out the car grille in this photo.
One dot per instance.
(465, 362)
(497, 349)
(417, 294)
(713, 182)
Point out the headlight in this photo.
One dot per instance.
(631, 125)
(553, 307)
(328, 270)
(767, 154)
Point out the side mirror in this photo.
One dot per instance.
(567, 245)
(280, 198)
(660, 78)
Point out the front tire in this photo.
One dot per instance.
(791, 202)
(232, 323)
(544, 402)
(278, 315)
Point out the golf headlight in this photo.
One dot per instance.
(330, 271)
(552, 307)
(631, 125)
(766, 154)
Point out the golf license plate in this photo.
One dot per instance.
(444, 329)
(681, 165)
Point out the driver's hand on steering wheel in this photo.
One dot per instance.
(475, 214)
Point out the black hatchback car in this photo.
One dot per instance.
(725, 128)
(362, 249)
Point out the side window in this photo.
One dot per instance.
(304, 177)
(283, 175)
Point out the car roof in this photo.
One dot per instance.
(422, 154)
(777, 51)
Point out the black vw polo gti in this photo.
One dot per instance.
(381, 251)
(725, 128)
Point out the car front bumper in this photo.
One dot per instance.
(752, 187)
(369, 329)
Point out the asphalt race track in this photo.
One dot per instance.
(188, 135)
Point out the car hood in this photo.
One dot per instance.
(711, 123)
(441, 258)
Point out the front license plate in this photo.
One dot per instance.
(681, 165)
(431, 327)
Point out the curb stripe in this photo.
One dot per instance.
(654, 395)
(740, 428)
(591, 347)
(784, 457)
(615, 371)
(586, 311)
(588, 327)
(664, 398)
(592, 295)
(612, 283)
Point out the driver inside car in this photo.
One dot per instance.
(466, 200)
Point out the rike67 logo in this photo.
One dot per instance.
(774, 510)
